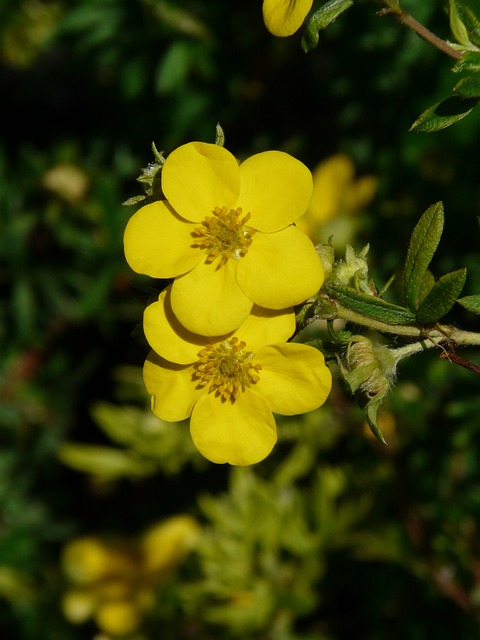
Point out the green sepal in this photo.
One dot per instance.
(470, 61)
(219, 135)
(442, 296)
(371, 417)
(443, 114)
(468, 87)
(369, 305)
(324, 16)
(135, 200)
(423, 244)
(471, 303)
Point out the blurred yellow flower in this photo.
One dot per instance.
(336, 195)
(284, 17)
(230, 386)
(114, 582)
(226, 234)
(67, 181)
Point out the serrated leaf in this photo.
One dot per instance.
(443, 114)
(471, 303)
(442, 296)
(423, 244)
(324, 16)
(468, 87)
(370, 306)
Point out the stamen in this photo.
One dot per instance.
(227, 369)
(224, 235)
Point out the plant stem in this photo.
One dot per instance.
(429, 337)
(394, 8)
(377, 325)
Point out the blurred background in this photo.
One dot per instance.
(112, 526)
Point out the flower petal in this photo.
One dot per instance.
(241, 432)
(158, 243)
(266, 326)
(197, 177)
(209, 301)
(173, 391)
(167, 336)
(284, 17)
(332, 182)
(280, 269)
(275, 188)
(294, 378)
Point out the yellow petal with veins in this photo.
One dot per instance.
(173, 390)
(280, 269)
(275, 189)
(284, 17)
(294, 378)
(242, 432)
(209, 301)
(158, 243)
(197, 177)
(167, 336)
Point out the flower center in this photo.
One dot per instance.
(224, 235)
(227, 368)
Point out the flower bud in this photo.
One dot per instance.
(353, 271)
(368, 367)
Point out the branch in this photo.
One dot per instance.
(409, 21)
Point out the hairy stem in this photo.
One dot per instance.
(428, 337)
(409, 21)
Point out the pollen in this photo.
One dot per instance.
(226, 369)
(224, 235)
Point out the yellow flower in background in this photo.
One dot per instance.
(114, 582)
(225, 233)
(284, 17)
(230, 386)
(337, 194)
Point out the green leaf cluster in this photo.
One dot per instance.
(427, 298)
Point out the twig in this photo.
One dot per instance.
(409, 21)
(456, 359)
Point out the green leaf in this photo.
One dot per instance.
(468, 87)
(464, 24)
(324, 16)
(443, 114)
(442, 296)
(369, 305)
(470, 61)
(471, 303)
(104, 463)
(457, 25)
(422, 247)
(427, 283)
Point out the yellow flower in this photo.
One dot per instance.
(226, 234)
(284, 17)
(230, 385)
(115, 582)
(337, 194)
